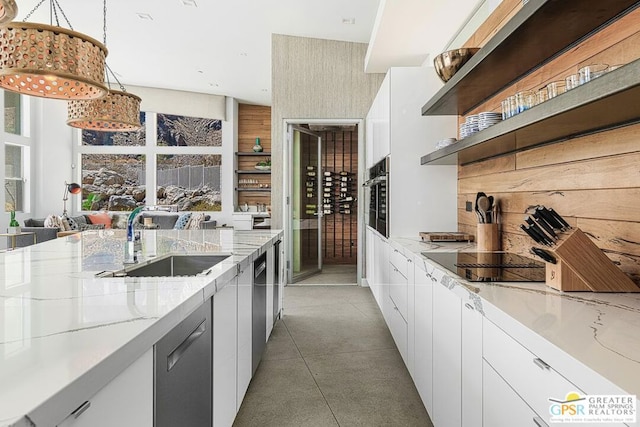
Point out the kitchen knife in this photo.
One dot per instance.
(530, 233)
(537, 230)
(551, 220)
(544, 255)
(559, 218)
(544, 225)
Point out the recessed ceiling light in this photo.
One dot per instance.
(265, 90)
(200, 72)
(191, 3)
(214, 84)
(243, 53)
(145, 16)
(349, 21)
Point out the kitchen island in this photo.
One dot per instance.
(66, 333)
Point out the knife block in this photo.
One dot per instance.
(582, 266)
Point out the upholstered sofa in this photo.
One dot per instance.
(163, 220)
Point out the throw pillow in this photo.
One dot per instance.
(182, 221)
(53, 221)
(101, 218)
(73, 225)
(65, 224)
(196, 221)
(78, 221)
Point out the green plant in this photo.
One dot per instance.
(265, 162)
(13, 222)
(88, 202)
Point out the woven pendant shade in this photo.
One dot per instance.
(8, 11)
(51, 62)
(118, 111)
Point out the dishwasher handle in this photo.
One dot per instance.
(176, 354)
(260, 269)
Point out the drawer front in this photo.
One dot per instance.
(398, 290)
(501, 406)
(398, 329)
(399, 261)
(528, 375)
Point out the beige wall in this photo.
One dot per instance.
(314, 79)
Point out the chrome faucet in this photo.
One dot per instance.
(130, 256)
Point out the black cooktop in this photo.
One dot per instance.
(490, 266)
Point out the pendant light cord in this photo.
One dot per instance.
(54, 6)
(107, 69)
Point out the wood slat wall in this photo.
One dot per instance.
(254, 121)
(593, 181)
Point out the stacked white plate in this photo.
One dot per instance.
(487, 119)
(444, 142)
(470, 126)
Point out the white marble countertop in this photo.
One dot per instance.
(65, 333)
(579, 332)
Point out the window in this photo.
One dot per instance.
(16, 113)
(15, 167)
(173, 160)
(192, 182)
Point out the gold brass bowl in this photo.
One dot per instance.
(448, 63)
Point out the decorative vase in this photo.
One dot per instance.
(13, 230)
(257, 148)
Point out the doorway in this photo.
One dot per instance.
(321, 208)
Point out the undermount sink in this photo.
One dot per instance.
(170, 266)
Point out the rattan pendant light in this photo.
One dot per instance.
(8, 11)
(117, 111)
(50, 61)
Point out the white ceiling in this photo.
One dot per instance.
(224, 47)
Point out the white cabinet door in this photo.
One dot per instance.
(270, 277)
(501, 406)
(225, 354)
(471, 365)
(423, 337)
(447, 358)
(371, 262)
(244, 369)
(396, 322)
(381, 274)
(126, 401)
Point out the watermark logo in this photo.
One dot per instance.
(608, 408)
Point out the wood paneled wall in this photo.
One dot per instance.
(254, 121)
(593, 181)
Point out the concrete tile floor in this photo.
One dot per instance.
(331, 361)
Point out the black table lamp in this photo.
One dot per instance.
(72, 188)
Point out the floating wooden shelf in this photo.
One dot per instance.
(254, 189)
(539, 32)
(254, 171)
(262, 154)
(582, 266)
(606, 102)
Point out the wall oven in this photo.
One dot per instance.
(378, 184)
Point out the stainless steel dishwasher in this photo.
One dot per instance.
(182, 358)
(259, 312)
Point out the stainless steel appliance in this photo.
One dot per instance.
(259, 313)
(183, 392)
(378, 183)
(490, 266)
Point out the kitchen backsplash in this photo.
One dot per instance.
(593, 180)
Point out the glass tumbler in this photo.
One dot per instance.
(555, 88)
(524, 100)
(572, 81)
(590, 72)
(541, 96)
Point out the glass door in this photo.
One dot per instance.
(306, 207)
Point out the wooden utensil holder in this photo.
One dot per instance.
(582, 266)
(488, 238)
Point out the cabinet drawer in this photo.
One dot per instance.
(501, 406)
(533, 379)
(398, 329)
(399, 261)
(398, 291)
